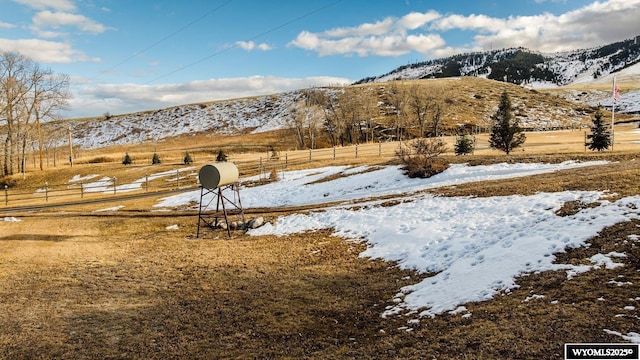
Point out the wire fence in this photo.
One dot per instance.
(260, 166)
(263, 166)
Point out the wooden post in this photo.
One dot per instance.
(70, 148)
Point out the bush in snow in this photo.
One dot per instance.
(127, 159)
(420, 157)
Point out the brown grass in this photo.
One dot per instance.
(79, 284)
(74, 287)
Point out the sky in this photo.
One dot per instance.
(468, 248)
(128, 56)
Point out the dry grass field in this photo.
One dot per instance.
(82, 285)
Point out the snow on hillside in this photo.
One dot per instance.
(225, 117)
(542, 70)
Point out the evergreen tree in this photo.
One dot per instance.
(187, 159)
(506, 133)
(221, 156)
(600, 136)
(127, 159)
(464, 145)
(156, 159)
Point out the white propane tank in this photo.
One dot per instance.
(217, 175)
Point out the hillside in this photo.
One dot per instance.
(522, 66)
(548, 91)
(468, 102)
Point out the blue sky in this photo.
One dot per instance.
(126, 56)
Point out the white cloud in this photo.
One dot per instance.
(4, 25)
(92, 100)
(45, 51)
(598, 23)
(60, 5)
(415, 20)
(388, 37)
(250, 45)
(55, 20)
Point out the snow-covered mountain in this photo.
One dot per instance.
(521, 66)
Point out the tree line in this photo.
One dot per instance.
(344, 116)
(29, 96)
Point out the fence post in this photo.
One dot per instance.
(334, 152)
(114, 185)
(81, 190)
(261, 169)
(356, 151)
(146, 182)
(178, 179)
(46, 191)
(286, 158)
(309, 154)
(6, 195)
(379, 148)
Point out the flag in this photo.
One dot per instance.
(616, 90)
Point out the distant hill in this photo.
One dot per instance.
(548, 91)
(469, 102)
(522, 66)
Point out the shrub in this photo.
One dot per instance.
(275, 155)
(274, 176)
(464, 145)
(187, 159)
(127, 159)
(156, 159)
(221, 156)
(99, 160)
(7, 183)
(420, 158)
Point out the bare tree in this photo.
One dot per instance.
(437, 109)
(306, 118)
(418, 106)
(28, 94)
(397, 98)
(370, 111)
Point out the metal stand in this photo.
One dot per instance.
(219, 196)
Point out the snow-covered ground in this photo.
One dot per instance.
(105, 184)
(472, 248)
